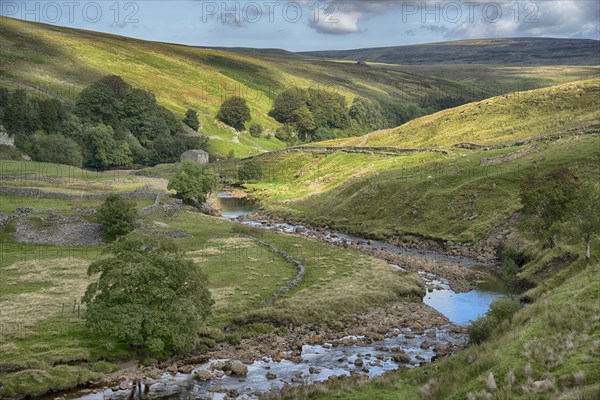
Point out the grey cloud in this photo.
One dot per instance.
(563, 18)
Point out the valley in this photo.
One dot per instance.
(417, 222)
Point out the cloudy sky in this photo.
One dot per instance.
(317, 24)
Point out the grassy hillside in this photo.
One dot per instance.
(499, 120)
(514, 51)
(59, 61)
(460, 195)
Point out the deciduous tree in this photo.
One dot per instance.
(148, 295)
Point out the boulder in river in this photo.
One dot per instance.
(203, 375)
(401, 358)
(237, 368)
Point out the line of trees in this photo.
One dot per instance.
(111, 125)
(315, 115)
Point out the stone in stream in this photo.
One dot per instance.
(172, 368)
(358, 362)
(186, 369)
(217, 365)
(124, 383)
(401, 358)
(237, 368)
(271, 376)
(425, 344)
(314, 370)
(203, 375)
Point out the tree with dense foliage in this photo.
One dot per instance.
(328, 109)
(102, 151)
(117, 215)
(397, 114)
(323, 133)
(585, 216)
(148, 295)
(287, 133)
(255, 130)
(368, 115)
(21, 115)
(52, 115)
(286, 103)
(191, 119)
(168, 149)
(147, 121)
(194, 182)
(98, 104)
(547, 201)
(53, 149)
(309, 110)
(113, 123)
(234, 112)
(304, 122)
(250, 171)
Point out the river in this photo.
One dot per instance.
(345, 356)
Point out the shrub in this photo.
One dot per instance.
(250, 171)
(149, 361)
(481, 329)
(503, 308)
(287, 133)
(233, 338)
(256, 130)
(117, 215)
(234, 112)
(191, 119)
(104, 367)
(10, 153)
(194, 182)
(55, 149)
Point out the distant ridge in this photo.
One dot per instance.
(513, 51)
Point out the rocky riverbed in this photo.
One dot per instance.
(369, 344)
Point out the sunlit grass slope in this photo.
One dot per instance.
(499, 120)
